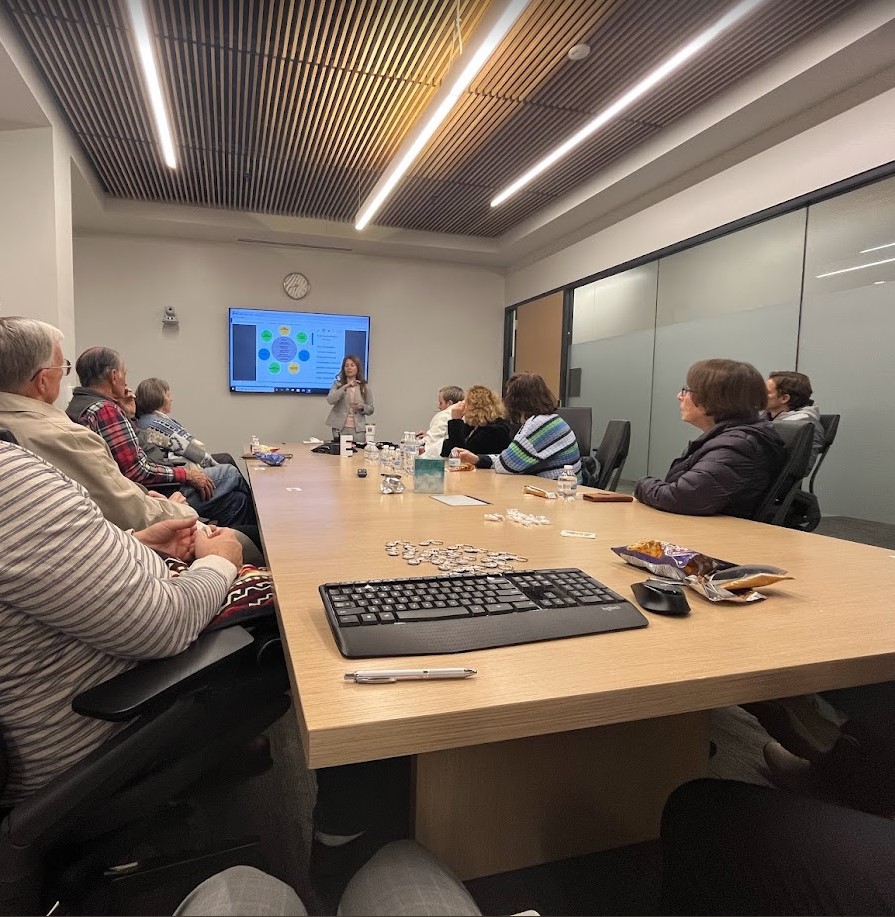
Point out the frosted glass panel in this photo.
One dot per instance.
(612, 344)
(848, 326)
(735, 297)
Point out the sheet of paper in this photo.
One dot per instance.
(459, 500)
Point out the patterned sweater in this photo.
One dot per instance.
(80, 602)
(543, 445)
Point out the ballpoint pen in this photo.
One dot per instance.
(386, 676)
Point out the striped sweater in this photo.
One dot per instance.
(80, 602)
(543, 445)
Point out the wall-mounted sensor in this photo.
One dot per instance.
(170, 316)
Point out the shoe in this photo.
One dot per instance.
(790, 772)
(330, 868)
(796, 724)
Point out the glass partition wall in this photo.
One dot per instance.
(613, 329)
(812, 289)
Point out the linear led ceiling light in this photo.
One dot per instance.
(137, 13)
(857, 267)
(875, 248)
(658, 75)
(498, 21)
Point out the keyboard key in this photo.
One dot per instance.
(524, 606)
(478, 610)
(349, 621)
(386, 617)
(350, 610)
(369, 618)
(432, 614)
(499, 608)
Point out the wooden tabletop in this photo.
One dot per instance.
(832, 626)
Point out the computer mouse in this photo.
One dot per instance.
(361, 472)
(661, 598)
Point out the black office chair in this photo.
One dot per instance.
(612, 453)
(830, 423)
(797, 439)
(804, 513)
(581, 422)
(187, 714)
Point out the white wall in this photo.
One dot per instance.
(433, 324)
(858, 139)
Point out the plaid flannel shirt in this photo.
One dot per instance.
(107, 419)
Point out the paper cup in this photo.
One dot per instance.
(370, 430)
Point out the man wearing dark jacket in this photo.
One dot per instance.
(730, 467)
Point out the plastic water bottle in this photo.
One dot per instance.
(454, 460)
(383, 459)
(371, 454)
(409, 451)
(567, 483)
(255, 446)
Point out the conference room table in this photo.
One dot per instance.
(569, 746)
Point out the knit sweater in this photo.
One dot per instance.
(543, 445)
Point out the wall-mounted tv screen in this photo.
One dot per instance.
(297, 352)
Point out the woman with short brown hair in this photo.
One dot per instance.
(730, 467)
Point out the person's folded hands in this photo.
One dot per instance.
(170, 536)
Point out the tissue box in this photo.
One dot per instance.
(428, 475)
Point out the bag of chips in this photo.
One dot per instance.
(717, 580)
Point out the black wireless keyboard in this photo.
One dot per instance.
(460, 612)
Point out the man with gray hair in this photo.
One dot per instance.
(32, 368)
(432, 439)
(219, 493)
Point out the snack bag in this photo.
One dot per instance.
(717, 580)
(271, 458)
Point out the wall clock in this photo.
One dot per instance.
(296, 285)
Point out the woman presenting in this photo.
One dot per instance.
(352, 401)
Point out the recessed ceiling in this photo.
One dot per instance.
(294, 108)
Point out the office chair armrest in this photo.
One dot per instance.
(156, 683)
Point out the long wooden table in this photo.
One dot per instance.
(569, 746)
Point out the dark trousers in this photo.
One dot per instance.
(735, 848)
(233, 509)
(370, 796)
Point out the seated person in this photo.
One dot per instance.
(544, 444)
(434, 436)
(32, 367)
(153, 407)
(851, 764)
(82, 601)
(478, 423)
(219, 493)
(789, 401)
(730, 467)
(31, 371)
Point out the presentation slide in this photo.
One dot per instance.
(298, 352)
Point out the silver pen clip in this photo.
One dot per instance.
(374, 679)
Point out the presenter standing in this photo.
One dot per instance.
(352, 401)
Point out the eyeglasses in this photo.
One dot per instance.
(65, 367)
(685, 390)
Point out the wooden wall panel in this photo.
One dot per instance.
(539, 339)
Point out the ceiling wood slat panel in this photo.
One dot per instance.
(294, 107)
